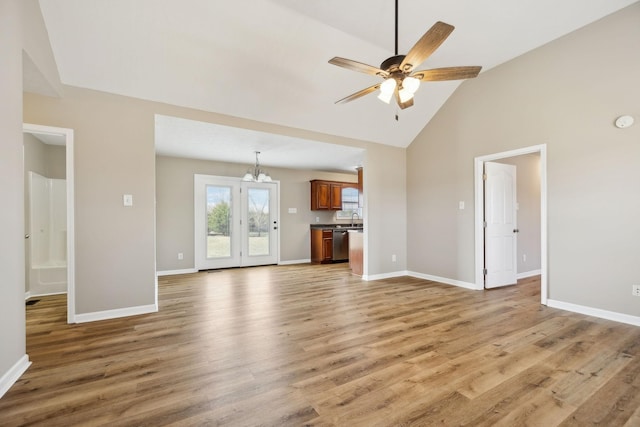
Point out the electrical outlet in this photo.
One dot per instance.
(393, 258)
(635, 290)
(180, 255)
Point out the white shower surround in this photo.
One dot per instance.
(48, 240)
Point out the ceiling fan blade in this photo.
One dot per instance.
(447, 73)
(427, 44)
(358, 66)
(359, 94)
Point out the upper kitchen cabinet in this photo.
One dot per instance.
(327, 195)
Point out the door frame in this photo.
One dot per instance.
(479, 213)
(69, 171)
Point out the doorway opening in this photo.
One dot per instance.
(479, 164)
(56, 248)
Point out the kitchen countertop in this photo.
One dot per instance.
(337, 226)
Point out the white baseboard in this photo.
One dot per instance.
(384, 275)
(117, 313)
(30, 295)
(174, 272)
(295, 261)
(595, 312)
(444, 280)
(14, 374)
(527, 274)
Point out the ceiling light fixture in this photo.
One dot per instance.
(386, 90)
(401, 80)
(256, 174)
(409, 86)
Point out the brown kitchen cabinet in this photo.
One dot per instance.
(321, 245)
(356, 252)
(327, 195)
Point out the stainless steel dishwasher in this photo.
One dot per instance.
(340, 245)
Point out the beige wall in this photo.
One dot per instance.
(175, 216)
(46, 160)
(113, 144)
(12, 311)
(566, 95)
(114, 155)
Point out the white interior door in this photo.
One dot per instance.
(236, 222)
(500, 234)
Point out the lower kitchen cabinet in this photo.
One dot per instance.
(321, 245)
(356, 251)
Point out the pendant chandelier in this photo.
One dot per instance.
(255, 174)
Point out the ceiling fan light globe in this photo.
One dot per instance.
(388, 86)
(247, 177)
(411, 84)
(261, 177)
(385, 97)
(405, 95)
(267, 178)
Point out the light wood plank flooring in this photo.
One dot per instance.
(314, 345)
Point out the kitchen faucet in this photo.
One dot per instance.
(352, 221)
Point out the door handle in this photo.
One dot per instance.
(26, 236)
(515, 230)
(275, 228)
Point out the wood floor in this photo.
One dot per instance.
(314, 345)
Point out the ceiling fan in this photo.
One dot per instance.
(400, 79)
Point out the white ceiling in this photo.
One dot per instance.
(266, 60)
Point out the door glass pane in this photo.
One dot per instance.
(218, 221)
(258, 221)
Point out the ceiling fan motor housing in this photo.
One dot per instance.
(392, 64)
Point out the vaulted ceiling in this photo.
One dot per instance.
(266, 60)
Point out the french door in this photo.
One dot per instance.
(236, 222)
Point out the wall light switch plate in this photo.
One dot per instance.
(127, 200)
(293, 210)
(461, 205)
